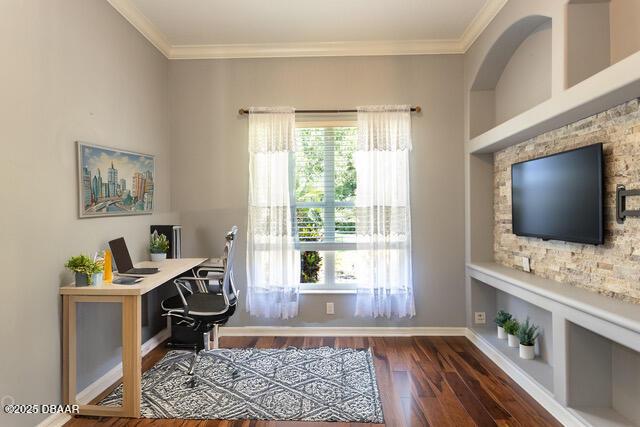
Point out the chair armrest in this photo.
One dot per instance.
(201, 282)
(209, 269)
(179, 286)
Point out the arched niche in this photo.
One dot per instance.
(514, 76)
(599, 34)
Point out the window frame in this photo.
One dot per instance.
(329, 285)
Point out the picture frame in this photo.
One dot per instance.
(114, 182)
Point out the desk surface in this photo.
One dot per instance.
(169, 269)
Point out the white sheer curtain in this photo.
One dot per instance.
(273, 264)
(383, 219)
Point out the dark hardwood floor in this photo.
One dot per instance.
(423, 381)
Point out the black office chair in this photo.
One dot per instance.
(201, 309)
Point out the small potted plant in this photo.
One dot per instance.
(87, 271)
(527, 334)
(158, 246)
(310, 263)
(511, 327)
(501, 318)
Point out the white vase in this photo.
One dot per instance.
(96, 279)
(502, 335)
(527, 352)
(158, 257)
(513, 341)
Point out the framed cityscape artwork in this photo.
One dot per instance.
(114, 182)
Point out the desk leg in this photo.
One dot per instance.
(69, 353)
(131, 357)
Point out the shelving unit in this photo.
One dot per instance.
(592, 71)
(491, 99)
(608, 88)
(598, 35)
(602, 417)
(547, 294)
(594, 343)
(539, 370)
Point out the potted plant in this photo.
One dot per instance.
(501, 318)
(511, 327)
(87, 271)
(527, 334)
(158, 246)
(310, 261)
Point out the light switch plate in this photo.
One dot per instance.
(526, 264)
(330, 308)
(480, 318)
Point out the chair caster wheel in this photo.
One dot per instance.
(191, 383)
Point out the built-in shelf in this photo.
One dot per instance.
(537, 369)
(594, 343)
(610, 87)
(602, 417)
(620, 313)
(497, 92)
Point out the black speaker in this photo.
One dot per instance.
(174, 235)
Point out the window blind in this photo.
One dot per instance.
(325, 185)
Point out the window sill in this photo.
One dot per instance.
(327, 291)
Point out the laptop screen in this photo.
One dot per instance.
(121, 255)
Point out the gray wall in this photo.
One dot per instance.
(71, 70)
(210, 161)
(625, 31)
(588, 40)
(526, 80)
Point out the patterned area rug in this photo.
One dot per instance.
(318, 384)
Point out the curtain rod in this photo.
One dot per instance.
(244, 111)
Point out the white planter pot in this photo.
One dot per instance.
(513, 341)
(96, 279)
(158, 257)
(502, 335)
(527, 352)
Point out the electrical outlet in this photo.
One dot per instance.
(526, 264)
(480, 317)
(330, 308)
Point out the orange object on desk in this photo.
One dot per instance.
(108, 271)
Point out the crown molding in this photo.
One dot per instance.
(140, 22)
(479, 22)
(283, 50)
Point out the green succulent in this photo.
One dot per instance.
(511, 326)
(158, 244)
(528, 333)
(501, 317)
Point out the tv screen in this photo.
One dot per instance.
(559, 197)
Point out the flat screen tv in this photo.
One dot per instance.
(560, 197)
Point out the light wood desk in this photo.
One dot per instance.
(129, 296)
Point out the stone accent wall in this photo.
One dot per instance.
(613, 268)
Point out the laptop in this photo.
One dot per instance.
(123, 260)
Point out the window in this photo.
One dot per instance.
(323, 199)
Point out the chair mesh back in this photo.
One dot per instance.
(228, 286)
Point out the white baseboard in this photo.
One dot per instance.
(98, 386)
(55, 420)
(321, 331)
(535, 390)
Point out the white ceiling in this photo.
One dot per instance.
(266, 28)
